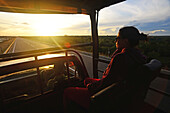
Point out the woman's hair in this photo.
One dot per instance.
(132, 34)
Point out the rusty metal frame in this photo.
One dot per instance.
(36, 64)
(10, 56)
(95, 40)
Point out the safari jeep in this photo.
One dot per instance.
(34, 81)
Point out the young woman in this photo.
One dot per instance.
(121, 67)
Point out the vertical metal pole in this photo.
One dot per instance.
(1, 100)
(95, 40)
(39, 78)
(67, 67)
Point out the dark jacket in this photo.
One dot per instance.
(123, 66)
(126, 68)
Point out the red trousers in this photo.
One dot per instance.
(78, 95)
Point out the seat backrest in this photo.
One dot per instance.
(148, 73)
(109, 99)
(144, 73)
(154, 66)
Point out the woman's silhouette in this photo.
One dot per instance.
(122, 66)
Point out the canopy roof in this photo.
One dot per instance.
(54, 6)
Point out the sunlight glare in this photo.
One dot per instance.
(47, 67)
(50, 56)
(48, 25)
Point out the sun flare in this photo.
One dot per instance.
(50, 56)
(46, 29)
(48, 26)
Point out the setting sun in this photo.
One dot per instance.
(45, 29)
(48, 26)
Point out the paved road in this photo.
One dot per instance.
(22, 44)
(154, 98)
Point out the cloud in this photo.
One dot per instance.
(15, 28)
(4, 26)
(139, 11)
(159, 32)
(25, 23)
(156, 31)
(152, 26)
(147, 15)
(112, 30)
(78, 29)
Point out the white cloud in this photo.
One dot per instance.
(109, 30)
(136, 10)
(156, 31)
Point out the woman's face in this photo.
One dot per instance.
(121, 42)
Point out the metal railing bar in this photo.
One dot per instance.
(81, 59)
(1, 100)
(32, 55)
(164, 71)
(100, 71)
(16, 79)
(23, 96)
(39, 77)
(29, 64)
(67, 65)
(159, 91)
(164, 76)
(102, 60)
(43, 50)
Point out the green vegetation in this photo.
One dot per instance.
(157, 47)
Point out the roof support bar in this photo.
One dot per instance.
(95, 41)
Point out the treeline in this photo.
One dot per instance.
(157, 47)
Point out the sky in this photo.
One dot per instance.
(149, 16)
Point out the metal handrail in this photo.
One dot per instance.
(56, 51)
(165, 74)
(159, 91)
(38, 71)
(17, 79)
(102, 60)
(11, 56)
